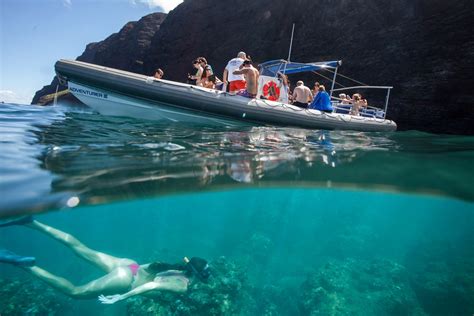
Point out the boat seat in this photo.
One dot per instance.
(343, 108)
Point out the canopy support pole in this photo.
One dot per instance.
(386, 103)
(291, 45)
(333, 81)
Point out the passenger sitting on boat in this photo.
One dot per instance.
(210, 82)
(219, 85)
(315, 90)
(235, 82)
(357, 103)
(322, 101)
(343, 98)
(204, 64)
(198, 74)
(206, 74)
(123, 277)
(159, 73)
(365, 103)
(251, 76)
(348, 99)
(302, 95)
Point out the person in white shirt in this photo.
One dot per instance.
(235, 82)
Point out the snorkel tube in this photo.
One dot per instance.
(198, 267)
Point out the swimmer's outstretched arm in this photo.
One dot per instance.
(111, 299)
(171, 280)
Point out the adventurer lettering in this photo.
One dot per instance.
(89, 93)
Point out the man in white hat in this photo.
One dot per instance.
(235, 82)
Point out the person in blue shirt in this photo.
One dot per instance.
(322, 101)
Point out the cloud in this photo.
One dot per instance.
(165, 5)
(9, 96)
(67, 3)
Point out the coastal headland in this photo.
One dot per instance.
(424, 48)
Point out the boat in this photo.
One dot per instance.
(116, 92)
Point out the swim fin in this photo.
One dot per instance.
(19, 221)
(6, 256)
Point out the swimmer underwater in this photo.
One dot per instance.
(123, 275)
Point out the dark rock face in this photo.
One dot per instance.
(424, 48)
(126, 49)
(51, 88)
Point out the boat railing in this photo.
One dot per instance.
(367, 110)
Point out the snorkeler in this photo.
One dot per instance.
(123, 275)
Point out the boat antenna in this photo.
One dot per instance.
(291, 45)
(291, 42)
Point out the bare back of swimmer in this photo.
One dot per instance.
(123, 275)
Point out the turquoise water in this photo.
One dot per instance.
(292, 221)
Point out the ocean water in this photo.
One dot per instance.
(291, 221)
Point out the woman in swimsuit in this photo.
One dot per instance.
(199, 72)
(122, 275)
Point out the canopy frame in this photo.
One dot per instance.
(273, 68)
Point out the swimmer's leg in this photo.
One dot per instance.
(19, 221)
(117, 281)
(103, 261)
(6, 256)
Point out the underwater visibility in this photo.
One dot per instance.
(132, 217)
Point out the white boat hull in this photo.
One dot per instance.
(109, 103)
(120, 93)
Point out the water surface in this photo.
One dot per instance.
(292, 221)
(50, 154)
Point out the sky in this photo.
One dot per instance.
(34, 34)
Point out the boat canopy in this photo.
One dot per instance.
(272, 67)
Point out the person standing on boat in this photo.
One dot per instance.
(302, 95)
(198, 75)
(235, 82)
(284, 88)
(357, 103)
(251, 76)
(123, 277)
(206, 69)
(322, 101)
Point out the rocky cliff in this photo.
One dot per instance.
(424, 48)
(123, 50)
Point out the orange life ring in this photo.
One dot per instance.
(271, 91)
